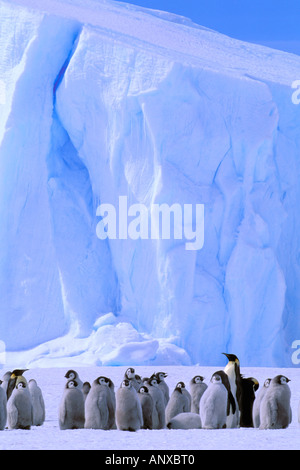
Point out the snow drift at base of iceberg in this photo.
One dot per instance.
(105, 100)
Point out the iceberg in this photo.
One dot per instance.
(101, 100)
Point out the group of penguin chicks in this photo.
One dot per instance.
(228, 401)
(21, 403)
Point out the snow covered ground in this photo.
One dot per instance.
(50, 437)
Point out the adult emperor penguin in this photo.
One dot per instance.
(158, 415)
(147, 406)
(249, 386)
(178, 403)
(275, 407)
(73, 375)
(160, 376)
(3, 404)
(185, 421)
(257, 402)
(19, 406)
(71, 411)
(13, 380)
(38, 404)
(232, 370)
(129, 415)
(197, 388)
(97, 405)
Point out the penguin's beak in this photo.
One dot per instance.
(165, 374)
(226, 355)
(288, 380)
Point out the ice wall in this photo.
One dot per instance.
(104, 100)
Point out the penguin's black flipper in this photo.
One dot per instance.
(231, 401)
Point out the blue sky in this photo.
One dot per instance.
(275, 23)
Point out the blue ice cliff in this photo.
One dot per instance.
(100, 100)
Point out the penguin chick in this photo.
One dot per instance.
(86, 387)
(13, 381)
(147, 406)
(97, 405)
(135, 379)
(73, 375)
(185, 421)
(216, 402)
(257, 402)
(71, 411)
(187, 394)
(19, 406)
(160, 376)
(177, 404)
(197, 388)
(158, 415)
(248, 387)
(275, 407)
(3, 404)
(38, 404)
(129, 415)
(232, 370)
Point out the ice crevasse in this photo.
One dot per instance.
(99, 100)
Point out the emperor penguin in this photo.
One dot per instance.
(111, 405)
(197, 388)
(147, 406)
(97, 405)
(131, 375)
(232, 370)
(86, 387)
(38, 404)
(248, 388)
(19, 406)
(185, 421)
(3, 404)
(257, 402)
(13, 380)
(129, 414)
(71, 411)
(216, 401)
(178, 403)
(73, 375)
(160, 376)
(275, 407)
(158, 415)
(187, 394)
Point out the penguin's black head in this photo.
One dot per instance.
(143, 389)
(71, 384)
(255, 383)
(153, 381)
(180, 385)
(71, 374)
(126, 383)
(232, 358)
(280, 380)
(267, 383)
(130, 373)
(197, 379)
(161, 376)
(102, 381)
(21, 385)
(86, 386)
(18, 373)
